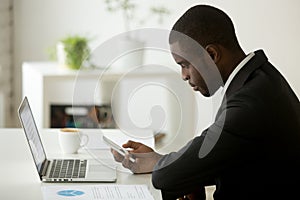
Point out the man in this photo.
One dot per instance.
(252, 150)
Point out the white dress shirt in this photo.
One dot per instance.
(218, 101)
(235, 71)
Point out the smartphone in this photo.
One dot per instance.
(118, 148)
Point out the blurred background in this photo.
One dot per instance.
(29, 27)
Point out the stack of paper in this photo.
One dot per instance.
(96, 192)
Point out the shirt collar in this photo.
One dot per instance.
(235, 71)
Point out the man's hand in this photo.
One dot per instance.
(137, 147)
(145, 157)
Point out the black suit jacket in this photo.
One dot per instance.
(251, 151)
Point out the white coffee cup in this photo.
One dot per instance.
(71, 140)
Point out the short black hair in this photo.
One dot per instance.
(206, 25)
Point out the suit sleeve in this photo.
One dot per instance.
(224, 144)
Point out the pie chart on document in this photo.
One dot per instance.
(70, 193)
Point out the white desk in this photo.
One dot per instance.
(18, 176)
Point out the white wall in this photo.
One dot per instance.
(270, 24)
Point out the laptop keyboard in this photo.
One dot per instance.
(68, 169)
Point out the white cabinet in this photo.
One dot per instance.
(148, 97)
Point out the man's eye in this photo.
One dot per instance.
(184, 66)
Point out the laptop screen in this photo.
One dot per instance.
(32, 135)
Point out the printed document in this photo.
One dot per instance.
(97, 192)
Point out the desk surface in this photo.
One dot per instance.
(19, 179)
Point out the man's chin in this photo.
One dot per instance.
(204, 92)
(208, 93)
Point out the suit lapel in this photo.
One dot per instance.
(241, 77)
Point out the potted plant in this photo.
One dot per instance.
(128, 8)
(72, 51)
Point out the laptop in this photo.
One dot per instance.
(60, 170)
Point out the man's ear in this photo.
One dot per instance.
(214, 52)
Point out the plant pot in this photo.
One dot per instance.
(131, 54)
(61, 55)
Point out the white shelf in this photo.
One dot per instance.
(133, 94)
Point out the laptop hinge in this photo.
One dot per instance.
(45, 167)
